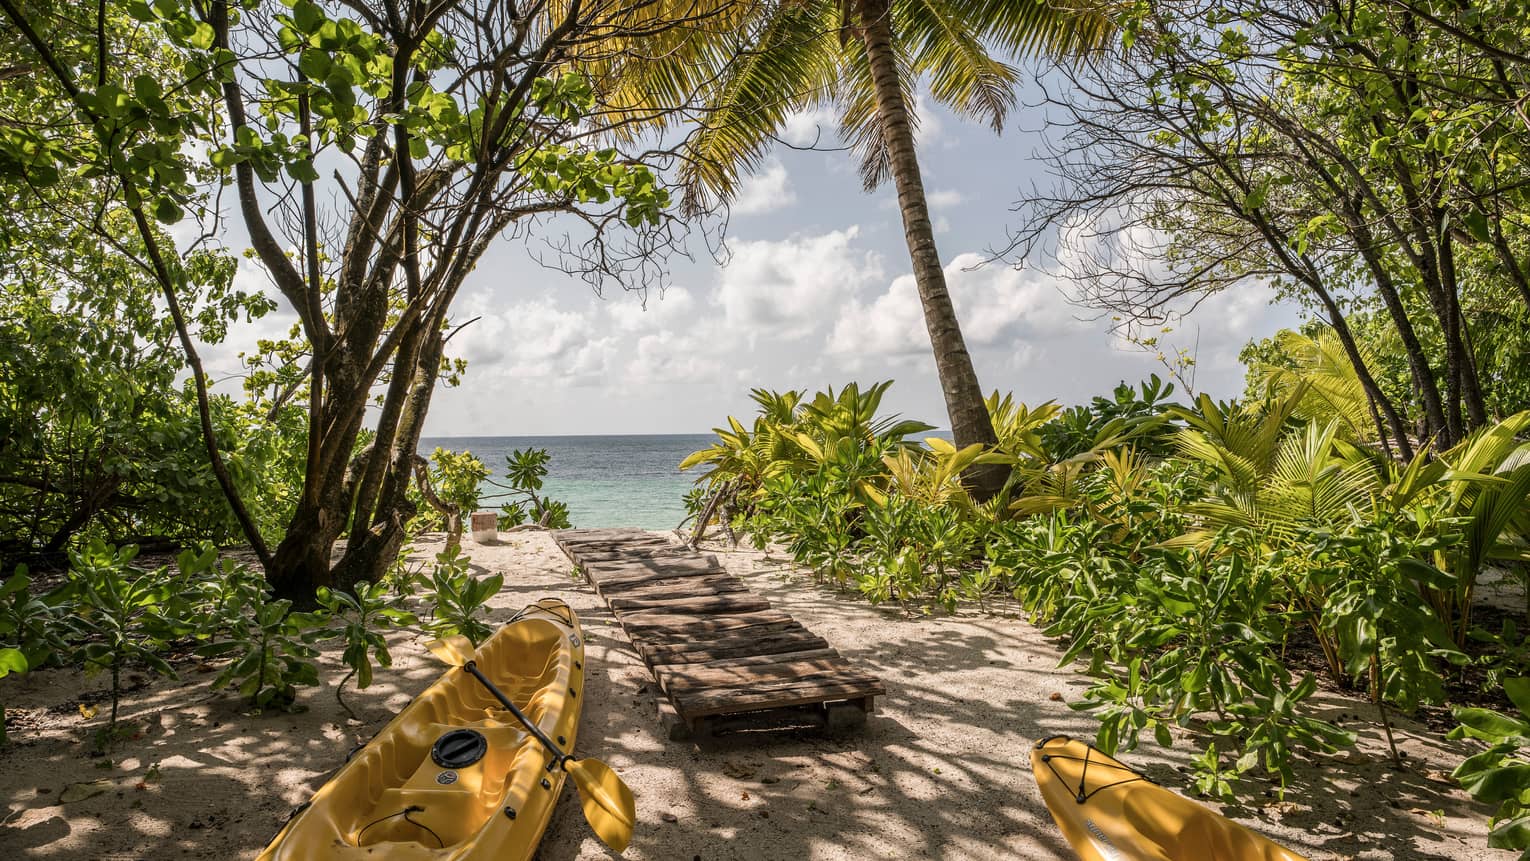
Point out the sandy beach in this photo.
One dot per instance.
(940, 771)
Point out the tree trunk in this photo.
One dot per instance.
(1437, 432)
(970, 422)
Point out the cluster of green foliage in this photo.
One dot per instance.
(101, 440)
(525, 471)
(109, 615)
(1180, 550)
(1501, 774)
(456, 483)
(457, 597)
(446, 490)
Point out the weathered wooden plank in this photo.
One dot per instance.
(595, 555)
(609, 542)
(586, 553)
(657, 621)
(759, 660)
(679, 637)
(575, 537)
(658, 654)
(772, 695)
(681, 679)
(646, 570)
(745, 602)
(626, 584)
(634, 567)
(674, 588)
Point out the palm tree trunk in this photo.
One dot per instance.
(970, 422)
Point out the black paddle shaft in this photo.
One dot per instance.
(559, 757)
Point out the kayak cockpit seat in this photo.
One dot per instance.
(442, 802)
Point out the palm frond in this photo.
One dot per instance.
(781, 69)
(947, 50)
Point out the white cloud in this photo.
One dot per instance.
(766, 190)
(532, 338)
(630, 313)
(811, 128)
(996, 307)
(931, 129)
(790, 287)
(944, 198)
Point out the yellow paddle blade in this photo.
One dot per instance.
(457, 650)
(607, 802)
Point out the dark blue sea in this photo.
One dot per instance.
(606, 480)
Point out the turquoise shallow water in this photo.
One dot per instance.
(606, 480)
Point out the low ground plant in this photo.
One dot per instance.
(360, 619)
(125, 616)
(457, 599)
(1500, 775)
(269, 646)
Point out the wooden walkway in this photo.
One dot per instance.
(720, 653)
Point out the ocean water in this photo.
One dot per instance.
(625, 480)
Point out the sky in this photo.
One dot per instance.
(816, 290)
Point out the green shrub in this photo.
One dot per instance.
(126, 615)
(525, 471)
(34, 625)
(12, 661)
(269, 647)
(360, 620)
(457, 598)
(1500, 775)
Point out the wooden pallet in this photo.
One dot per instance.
(720, 654)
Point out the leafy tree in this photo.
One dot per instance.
(450, 124)
(1362, 157)
(448, 483)
(864, 59)
(99, 437)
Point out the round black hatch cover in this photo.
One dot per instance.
(459, 748)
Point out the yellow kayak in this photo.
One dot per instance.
(1110, 813)
(454, 776)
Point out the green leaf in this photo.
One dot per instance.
(1488, 724)
(303, 171)
(12, 661)
(167, 211)
(203, 37)
(307, 16)
(1518, 691)
(315, 63)
(1477, 226)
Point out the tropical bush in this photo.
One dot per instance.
(525, 471)
(1500, 775)
(1180, 550)
(360, 619)
(125, 615)
(447, 488)
(457, 598)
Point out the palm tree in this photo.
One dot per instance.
(761, 62)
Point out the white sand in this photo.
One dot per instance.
(941, 771)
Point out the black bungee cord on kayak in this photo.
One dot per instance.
(413, 808)
(1081, 795)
